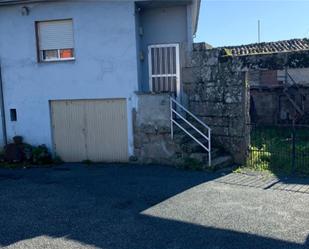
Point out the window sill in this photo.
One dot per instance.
(57, 60)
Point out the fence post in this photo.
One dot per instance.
(293, 148)
(171, 117)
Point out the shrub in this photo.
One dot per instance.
(259, 159)
(22, 154)
(41, 155)
(27, 150)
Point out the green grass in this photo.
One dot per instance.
(271, 150)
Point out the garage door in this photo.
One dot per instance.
(93, 130)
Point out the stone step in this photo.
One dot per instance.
(191, 149)
(196, 148)
(222, 162)
(218, 161)
(189, 145)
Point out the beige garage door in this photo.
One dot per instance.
(93, 130)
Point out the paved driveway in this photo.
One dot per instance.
(115, 207)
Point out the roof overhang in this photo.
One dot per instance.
(169, 3)
(12, 2)
(195, 6)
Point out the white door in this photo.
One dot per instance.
(164, 68)
(93, 130)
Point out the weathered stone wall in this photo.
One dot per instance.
(216, 92)
(152, 132)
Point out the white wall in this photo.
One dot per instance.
(105, 65)
(300, 75)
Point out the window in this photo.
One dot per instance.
(13, 115)
(55, 40)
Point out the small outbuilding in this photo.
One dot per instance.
(278, 95)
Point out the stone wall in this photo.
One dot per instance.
(215, 90)
(152, 132)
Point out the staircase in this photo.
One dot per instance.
(194, 138)
(290, 86)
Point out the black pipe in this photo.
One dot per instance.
(5, 140)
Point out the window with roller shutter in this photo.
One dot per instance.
(55, 40)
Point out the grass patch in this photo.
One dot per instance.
(271, 150)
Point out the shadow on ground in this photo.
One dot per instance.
(262, 181)
(102, 206)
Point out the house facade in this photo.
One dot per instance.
(71, 70)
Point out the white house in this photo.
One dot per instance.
(70, 70)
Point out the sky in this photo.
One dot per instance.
(230, 22)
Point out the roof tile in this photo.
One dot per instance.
(270, 47)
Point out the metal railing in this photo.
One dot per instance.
(282, 149)
(174, 105)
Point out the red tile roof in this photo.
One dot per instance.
(269, 47)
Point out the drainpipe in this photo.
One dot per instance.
(2, 109)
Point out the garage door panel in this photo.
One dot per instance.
(91, 129)
(107, 130)
(69, 140)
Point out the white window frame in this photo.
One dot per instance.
(177, 75)
(41, 52)
(59, 58)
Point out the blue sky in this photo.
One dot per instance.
(230, 22)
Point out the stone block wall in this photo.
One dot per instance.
(152, 130)
(216, 91)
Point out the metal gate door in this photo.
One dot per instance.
(164, 68)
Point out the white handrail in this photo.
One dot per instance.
(201, 133)
(187, 111)
(173, 121)
(188, 133)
